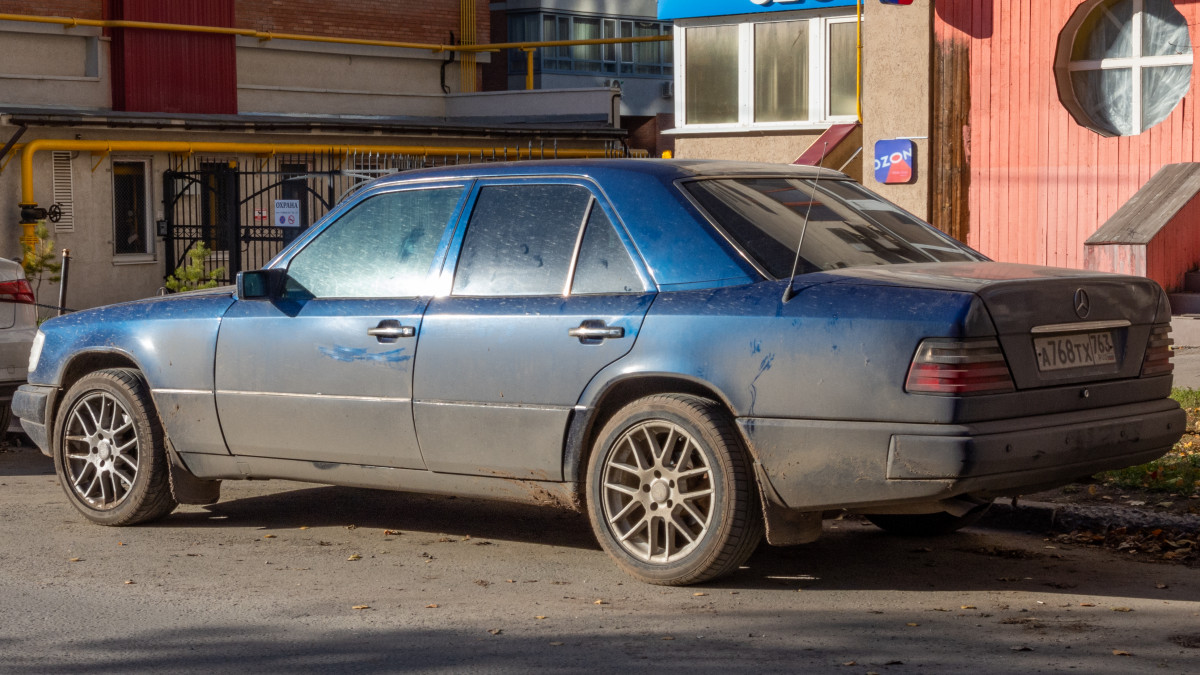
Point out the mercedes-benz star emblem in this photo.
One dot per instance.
(1083, 304)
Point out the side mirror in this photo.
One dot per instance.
(260, 284)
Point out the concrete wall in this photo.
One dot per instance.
(522, 103)
(286, 76)
(897, 47)
(52, 65)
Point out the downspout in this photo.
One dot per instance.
(859, 72)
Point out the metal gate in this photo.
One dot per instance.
(227, 203)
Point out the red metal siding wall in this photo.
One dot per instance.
(1040, 183)
(174, 72)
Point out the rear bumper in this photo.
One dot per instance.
(818, 464)
(30, 403)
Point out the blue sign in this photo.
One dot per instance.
(894, 161)
(690, 9)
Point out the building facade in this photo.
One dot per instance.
(1037, 132)
(135, 145)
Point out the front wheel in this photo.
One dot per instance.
(670, 493)
(110, 450)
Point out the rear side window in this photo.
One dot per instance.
(520, 240)
(604, 265)
(383, 247)
(845, 227)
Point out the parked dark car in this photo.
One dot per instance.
(637, 338)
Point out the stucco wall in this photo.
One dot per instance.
(781, 148)
(897, 43)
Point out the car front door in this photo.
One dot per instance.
(324, 373)
(545, 294)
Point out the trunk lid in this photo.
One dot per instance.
(1056, 326)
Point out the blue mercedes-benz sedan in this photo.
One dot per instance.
(695, 353)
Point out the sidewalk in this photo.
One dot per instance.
(1185, 330)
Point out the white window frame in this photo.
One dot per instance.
(148, 256)
(1133, 63)
(818, 81)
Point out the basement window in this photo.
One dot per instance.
(131, 209)
(1124, 65)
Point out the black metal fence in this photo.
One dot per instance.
(229, 203)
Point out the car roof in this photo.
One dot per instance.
(662, 169)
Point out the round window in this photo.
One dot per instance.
(1123, 65)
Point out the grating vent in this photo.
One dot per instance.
(64, 192)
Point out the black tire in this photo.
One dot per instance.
(927, 524)
(110, 450)
(698, 495)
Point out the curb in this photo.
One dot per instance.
(1048, 517)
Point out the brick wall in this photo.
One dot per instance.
(77, 9)
(412, 21)
(424, 21)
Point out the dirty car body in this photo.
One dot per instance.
(623, 336)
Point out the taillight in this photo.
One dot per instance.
(17, 290)
(947, 366)
(1158, 351)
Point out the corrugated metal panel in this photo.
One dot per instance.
(64, 191)
(1041, 184)
(172, 72)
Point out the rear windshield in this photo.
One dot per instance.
(848, 226)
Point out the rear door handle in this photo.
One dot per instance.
(594, 329)
(390, 330)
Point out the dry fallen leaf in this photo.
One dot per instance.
(351, 527)
(355, 557)
(599, 602)
(268, 536)
(1121, 652)
(968, 607)
(388, 533)
(120, 543)
(304, 527)
(495, 631)
(128, 582)
(556, 644)
(1087, 604)
(431, 606)
(361, 607)
(1121, 609)
(1161, 586)
(75, 560)
(699, 595)
(850, 663)
(667, 637)
(539, 617)
(914, 624)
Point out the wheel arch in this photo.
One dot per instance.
(80, 365)
(589, 418)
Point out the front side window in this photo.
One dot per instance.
(768, 73)
(382, 248)
(843, 225)
(1130, 64)
(131, 215)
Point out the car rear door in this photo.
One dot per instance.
(324, 374)
(546, 292)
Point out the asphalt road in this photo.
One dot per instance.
(265, 582)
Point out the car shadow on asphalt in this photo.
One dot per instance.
(401, 511)
(851, 555)
(24, 461)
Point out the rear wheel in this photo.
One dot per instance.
(669, 491)
(110, 450)
(927, 524)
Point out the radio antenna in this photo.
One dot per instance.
(787, 292)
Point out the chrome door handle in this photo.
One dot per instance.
(390, 329)
(596, 330)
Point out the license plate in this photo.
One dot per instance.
(1078, 350)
